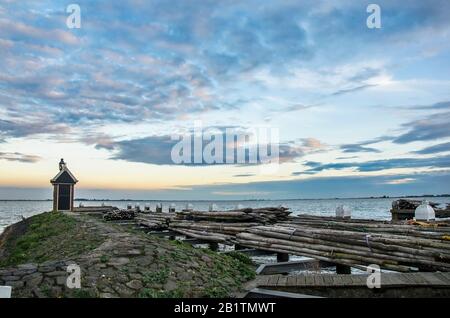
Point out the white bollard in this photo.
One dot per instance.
(212, 207)
(189, 207)
(5, 291)
(159, 208)
(424, 212)
(343, 211)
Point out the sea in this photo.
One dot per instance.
(367, 208)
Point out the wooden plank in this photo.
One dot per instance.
(282, 281)
(318, 280)
(337, 280)
(309, 280)
(445, 277)
(359, 280)
(291, 281)
(327, 279)
(407, 279)
(262, 280)
(393, 280)
(273, 280)
(267, 293)
(417, 279)
(433, 280)
(301, 280)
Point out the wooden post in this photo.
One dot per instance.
(282, 257)
(238, 247)
(343, 269)
(214, 246)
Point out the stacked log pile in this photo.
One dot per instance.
(116, 215)
(399, 247)
(155, 221)
(222, 226)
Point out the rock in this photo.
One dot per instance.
(170, 285)
(6, 272)
(107, 295)
(206, 259)
(38, 293)
(33, 280)
(134, 284)
(15, 284)
(185, 276)
(123, 290)
(10, 278)
(46, 268)
(61, 280)
(118, 261)
(135, 276)
(56, 273)
(28, 266)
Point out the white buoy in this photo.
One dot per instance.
(343, 211)
(212, 207)
(424, 212)
(5, 291)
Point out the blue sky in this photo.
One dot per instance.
(360, 111)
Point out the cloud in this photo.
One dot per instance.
(400, 181)
(352, 89)
(433, 127)
(21, 128)
(351, 148)
(440, 105)
(19, 157)
(444, 147)
(157, 149)
(243, 175)
(378, 165)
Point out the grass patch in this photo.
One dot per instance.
(158, 277)
(44, 237)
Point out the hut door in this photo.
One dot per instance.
(64, 197)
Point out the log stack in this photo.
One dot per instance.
(155, 221)
(222, 226)
(399, 247)
(116, 215)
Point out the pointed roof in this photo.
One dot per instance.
(64, 176)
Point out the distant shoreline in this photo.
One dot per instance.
(234, 200)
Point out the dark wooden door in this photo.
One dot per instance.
(64, 197)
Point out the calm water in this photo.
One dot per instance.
(12, 211)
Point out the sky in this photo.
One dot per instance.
(359, 111)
